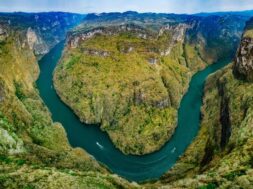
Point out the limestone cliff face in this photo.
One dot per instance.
(29, 139)
(34, 151)
(19, 99)
(29, 35)
(243, 66)
(138, 68)
(221, 155)
(36, 43)
(140, 95)
(39, 31)
(3, 33)
(75, 38)
(178, 35)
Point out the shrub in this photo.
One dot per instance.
(209, 186)
(18, 91)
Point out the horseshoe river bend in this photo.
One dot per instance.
(98, 144)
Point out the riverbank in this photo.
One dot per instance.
(98, 144)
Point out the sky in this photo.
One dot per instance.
(98, 6)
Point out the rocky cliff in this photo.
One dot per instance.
(221, 155)
(125, 89)
(243, 67)
(34, 151)
(137, 68)
(39, 31)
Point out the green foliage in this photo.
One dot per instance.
(208, 186)
(233, 164)
(34, 150)
(20, 162)
(160, 60)
(11, 160)
(29, 187)
(5, 124)
(99, 84)
(72, 61)
(3, 179)
(18, 91)
(232, 175)
(5, 159)
(135, 100)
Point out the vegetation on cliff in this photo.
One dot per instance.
(126, 86)
(34, 151)
(128, 72)
(42, 30)
(221, 155)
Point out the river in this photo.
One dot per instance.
(98, 144)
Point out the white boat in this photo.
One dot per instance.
(99, 145)
(173, 150)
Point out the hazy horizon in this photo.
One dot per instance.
(99, 6)
(123, 12)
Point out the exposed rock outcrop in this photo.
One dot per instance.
(31, 38)
(36, 43)
(243, 66)
(77, 37)
(178, 35)
(121, 56)
(96, 52)
(160, 52)
(28, 136)
(3, 33)
(152, 60)
(10, 143)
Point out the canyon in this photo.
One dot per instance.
(127, 79)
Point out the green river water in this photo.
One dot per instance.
(98, 144)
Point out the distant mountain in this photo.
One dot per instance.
(242, 13)
(44, 30)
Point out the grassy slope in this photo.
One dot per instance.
(207, 163)
(34, 151)
(221, 155)
(135, 101)
(50, 27)
(34, 155)
(108, 79)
